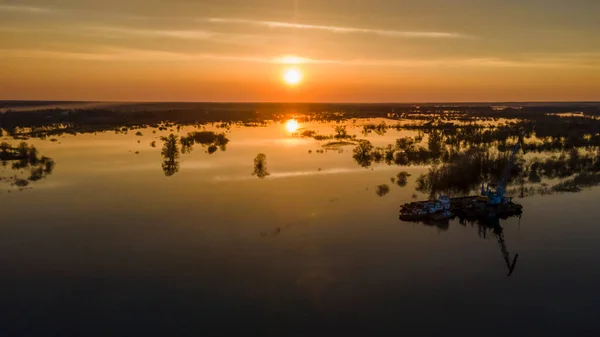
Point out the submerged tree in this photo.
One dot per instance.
(379, 129)
(25, 156)
(434, 144)
(170, 154)
(187, 144)
(382, 190)
(212, 149)
(204, 138)
(4, 147)
(260, 166)
(465, 172)
(402, 178)
(363, 153)
(341, 132)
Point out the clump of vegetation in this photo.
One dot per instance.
(308, 133)
(321, 137)
(204, 138)
(379, 129)
(341, 132)
(338, 144)
(402, 178)
(21, 183)
(24, 156)
(382, 190)
(575, 184)
(139, 133)
(260, 166)
(388, 154)
(153, 143)
(464, 173)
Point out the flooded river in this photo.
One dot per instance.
(283, 228)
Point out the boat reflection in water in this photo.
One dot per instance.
(485, 224)
(491, 223)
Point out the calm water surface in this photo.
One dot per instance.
(107, 245)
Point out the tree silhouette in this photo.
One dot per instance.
(170, 154)
(362, 153)
(260, 166)
(341, 132)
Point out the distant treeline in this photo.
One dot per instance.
(62, 120)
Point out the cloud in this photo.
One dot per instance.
(338, 29)
(144, 55)
(124, 54)
(179, 34)
(566, 61)
(189, 34)
(24, 9)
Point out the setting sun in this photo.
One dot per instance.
(292, 76)
(292, 125)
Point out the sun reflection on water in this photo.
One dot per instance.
(292, 125)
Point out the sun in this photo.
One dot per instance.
(292, 76)
(292, 125)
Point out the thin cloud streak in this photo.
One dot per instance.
(142, 55)
(122, 54)
(179, 34)
(198, 34)
(24, 9)
(338, 29)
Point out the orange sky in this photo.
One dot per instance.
(352, 51)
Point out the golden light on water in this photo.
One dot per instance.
(292, 76)
(292, 125)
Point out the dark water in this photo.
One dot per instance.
(108, 245)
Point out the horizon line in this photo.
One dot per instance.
(303, 102)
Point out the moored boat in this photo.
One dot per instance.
(415, 211)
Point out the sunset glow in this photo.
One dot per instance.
(292, 76)
(381, 51)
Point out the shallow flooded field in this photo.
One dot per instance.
(287, 222)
